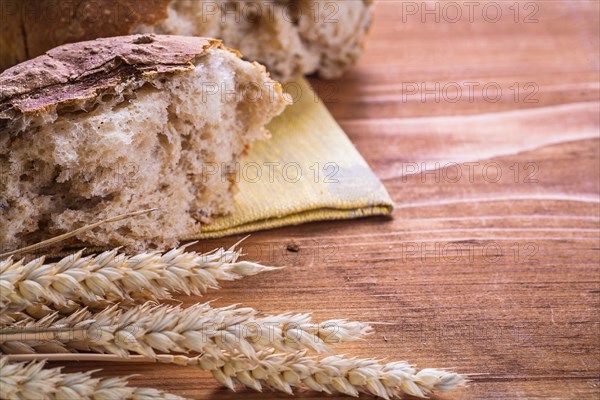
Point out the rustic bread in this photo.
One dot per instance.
(289, 36)
(96, 129)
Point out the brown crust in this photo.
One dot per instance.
(34, 26)
(79, 71)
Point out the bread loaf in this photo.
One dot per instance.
(289, 36)
(96, 129)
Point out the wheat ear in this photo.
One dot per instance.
(31, 381)
(150, 329)
(333, 374)
(115, 277)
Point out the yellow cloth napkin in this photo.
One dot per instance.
(308, 171)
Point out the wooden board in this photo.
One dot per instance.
(495, 276)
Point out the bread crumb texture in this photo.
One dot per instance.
(291, 37)
(96, 129)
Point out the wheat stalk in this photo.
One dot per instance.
(97, 280)
(31, 381)
(333, 374)
(75, 232)
(283, 372)
(150, 329)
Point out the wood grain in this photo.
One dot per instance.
(494, 276)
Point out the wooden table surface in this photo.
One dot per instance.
(490, 264)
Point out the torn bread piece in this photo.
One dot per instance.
(96, 129)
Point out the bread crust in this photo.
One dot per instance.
(30, 28)
(75, 73)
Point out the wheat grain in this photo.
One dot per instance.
(150, 329)
(333, 374)
(39, 311)
(112, 277)
(31, 381)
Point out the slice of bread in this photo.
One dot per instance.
(96, 129)
(290, 37)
